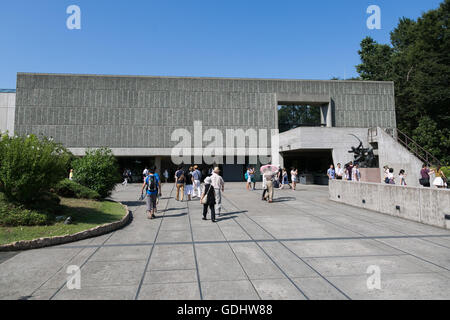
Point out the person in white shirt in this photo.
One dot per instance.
(219, 187)
(356, 173)
(339, 172)
(294, 178)
(196, 174)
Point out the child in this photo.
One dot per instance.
(402, 177)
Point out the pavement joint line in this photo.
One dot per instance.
(138, 291)
(254, 240)
(358, 217)
(276, 264)
(436, 243)
(59, 270)
(195, 253)
(265, 252)
(83, 264)
(387, 227)
(240, 264)
(169, 270)
(312, 268)
(377, 240)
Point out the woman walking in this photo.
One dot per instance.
(208, 199)
(441, 180)
(294, 178)
(284, 179)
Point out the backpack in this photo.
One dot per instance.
(151, 183)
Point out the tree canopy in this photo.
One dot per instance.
(418, 61)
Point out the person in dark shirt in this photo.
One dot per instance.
(189, 184)
(180, 179)
(209, 192)
(350, 171)
(425, 176)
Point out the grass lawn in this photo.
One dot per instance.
(86, 214)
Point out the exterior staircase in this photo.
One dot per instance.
(411, 145)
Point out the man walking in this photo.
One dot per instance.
(219, 187)
(179, 182)
(151, 185)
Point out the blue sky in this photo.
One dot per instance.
(234, 38)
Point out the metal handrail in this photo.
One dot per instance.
(415, 148)
(409, 144)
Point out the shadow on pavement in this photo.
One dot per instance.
(284, 199)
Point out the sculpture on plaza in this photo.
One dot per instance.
(364, 157)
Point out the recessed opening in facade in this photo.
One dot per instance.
(312, 165)
(295, 115)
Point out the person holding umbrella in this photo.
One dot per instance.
(268, 172)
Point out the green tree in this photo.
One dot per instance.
(418, 61)
(97, 170)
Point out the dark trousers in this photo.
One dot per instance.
(213, 211)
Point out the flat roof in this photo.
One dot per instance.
(187, 77)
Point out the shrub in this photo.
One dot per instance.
(98, 170)
(29, 166)
(70, 189)
(13, 215)
(446, 171)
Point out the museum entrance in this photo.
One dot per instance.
(312, 165)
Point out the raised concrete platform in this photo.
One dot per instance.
(303, 246)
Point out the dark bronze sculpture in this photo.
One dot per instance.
(364, 157)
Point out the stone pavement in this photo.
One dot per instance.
(301, 247)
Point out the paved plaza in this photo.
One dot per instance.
(302, 246)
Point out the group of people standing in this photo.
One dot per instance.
(389, 176)
(350, 172)
(188, 182)
(440, 180)
(280, 179)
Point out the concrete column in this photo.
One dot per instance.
(326, 115)
(158, 165)
(329, 116)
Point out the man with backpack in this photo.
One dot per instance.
(180, 180)
(151, 185)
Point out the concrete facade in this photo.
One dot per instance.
(7, 110)
(338, 140)
(425, 205)
(133, 114)
(396, 156)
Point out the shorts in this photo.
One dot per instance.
(295, 179)
(189, 189)
(151, 201)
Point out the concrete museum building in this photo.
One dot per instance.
(136, 116)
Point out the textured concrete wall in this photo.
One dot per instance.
(338, 140)
(7, 111)
(425, 205)
(396, 156)
(135, 112)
